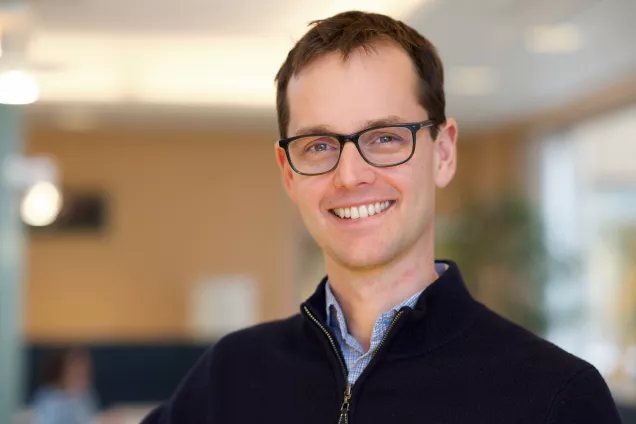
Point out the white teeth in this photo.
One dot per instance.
(363, 211)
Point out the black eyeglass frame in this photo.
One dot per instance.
(342, 139)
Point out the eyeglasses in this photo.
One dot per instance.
(383, 146)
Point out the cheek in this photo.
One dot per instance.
(415, 182)
(423, 164)
(310, 191)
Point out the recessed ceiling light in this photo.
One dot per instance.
(41, 204)
(553, 39)
(18, 88)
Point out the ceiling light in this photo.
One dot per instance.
(41, 204)
(18, 88)
(553, 39)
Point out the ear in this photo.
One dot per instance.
(446, 153)
(286, 172)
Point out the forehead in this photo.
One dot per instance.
(343, 94)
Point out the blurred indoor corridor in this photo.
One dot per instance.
(142, 215)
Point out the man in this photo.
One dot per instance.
(390, 336)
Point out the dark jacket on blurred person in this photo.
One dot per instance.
(448, 360)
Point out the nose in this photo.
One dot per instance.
(352, 170)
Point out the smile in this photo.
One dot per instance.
(362, 211)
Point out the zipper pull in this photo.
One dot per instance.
(344, 410)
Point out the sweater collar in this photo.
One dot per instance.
(443, 311)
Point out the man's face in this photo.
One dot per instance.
(345, 97)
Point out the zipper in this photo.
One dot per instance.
(332, 341)
(344, 409)
(386, 335)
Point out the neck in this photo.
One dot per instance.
(364, 294)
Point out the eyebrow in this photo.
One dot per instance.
(326, 129)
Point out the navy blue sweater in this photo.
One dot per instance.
(449, 360)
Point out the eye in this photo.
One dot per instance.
(319, 147)
(388, 139)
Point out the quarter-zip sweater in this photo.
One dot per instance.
(448, 360)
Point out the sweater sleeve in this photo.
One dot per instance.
(195, 399)
(584, 399)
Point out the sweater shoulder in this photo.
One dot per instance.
(261, 338)
(521, 347)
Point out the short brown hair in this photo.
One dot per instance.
(348, 31)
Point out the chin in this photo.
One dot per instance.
(361, 259)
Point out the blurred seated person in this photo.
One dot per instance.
(65, 394)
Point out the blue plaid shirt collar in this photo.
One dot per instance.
(336, 320)
(355, 357)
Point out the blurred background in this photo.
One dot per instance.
(142, 216)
